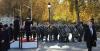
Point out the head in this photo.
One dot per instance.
(5, 26)
(17, 17)
(90, 23)
(27, 18)
(11, 25)
(92, 20)
(1, 26)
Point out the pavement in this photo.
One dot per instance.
(55, 46)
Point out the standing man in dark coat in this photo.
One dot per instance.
(4, 38)
(28, 23)
(90, 36)
(80, 29)
(55, 33)
(34, 32)
(16, 27)
(1, 37)
(6, 35)
(11, 32)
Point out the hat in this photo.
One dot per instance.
(27, 18)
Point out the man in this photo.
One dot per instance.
(34, 32)
(11, 31)
(50, 33)
(4, 38)
(80, 29)
(55, 33)
(6, 35)
(1, 37)
(90, 36)
(16, 27)
(28, 23)
(45, 32)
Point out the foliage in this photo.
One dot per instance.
(61, 10)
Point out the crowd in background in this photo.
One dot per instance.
(51, 32)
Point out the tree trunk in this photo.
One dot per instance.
(77, 11)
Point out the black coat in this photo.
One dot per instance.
(88, 36)
(16, 25)
(1, 38)
(11, 32)
(28, 25)
(4, 36)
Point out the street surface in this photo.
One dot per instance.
(55, 46)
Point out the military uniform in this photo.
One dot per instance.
(27, 29)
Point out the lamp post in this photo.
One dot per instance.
(86, 2)
(31, 1)
(49, 7)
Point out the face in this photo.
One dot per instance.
(90, 24)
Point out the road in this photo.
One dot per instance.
(55, 46)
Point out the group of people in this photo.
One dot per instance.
(4, 37)
(82, 32)
(60, 32)
(24, 28)
(11, 33)
(52, 32)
